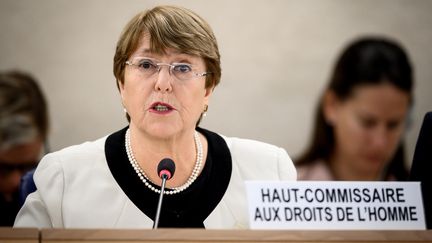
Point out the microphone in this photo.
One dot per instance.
(166, 169)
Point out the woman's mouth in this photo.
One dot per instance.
(161, 108)
(375, 159)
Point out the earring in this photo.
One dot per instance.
(124, 110)
(205, 110)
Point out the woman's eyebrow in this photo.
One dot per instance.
(144, 52)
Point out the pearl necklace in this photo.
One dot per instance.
(144, 178)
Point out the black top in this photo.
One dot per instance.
(187, 209)
(421, 165)
(8, 210)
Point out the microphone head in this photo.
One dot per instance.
(166, 167)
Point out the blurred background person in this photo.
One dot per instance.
(362, 115)
(23, 132)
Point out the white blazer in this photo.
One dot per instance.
(75, 189)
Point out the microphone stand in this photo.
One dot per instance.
(159, 206)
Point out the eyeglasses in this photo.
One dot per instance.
(147, 67)
(8, 168)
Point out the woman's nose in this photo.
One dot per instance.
(163, 81)
(380, 138)
(15, 178)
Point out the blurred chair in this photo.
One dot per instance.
(27, 186)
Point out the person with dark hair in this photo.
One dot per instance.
(23, 132)
(166, 65)
(362, 115)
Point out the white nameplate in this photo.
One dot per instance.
(335, 205)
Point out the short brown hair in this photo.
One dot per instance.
(170, 27)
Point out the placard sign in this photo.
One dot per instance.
(335, 205)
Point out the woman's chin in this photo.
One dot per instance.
(371, 167)
(162, 130)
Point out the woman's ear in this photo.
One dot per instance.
(121, 90)
(208, 93)
(330, 105)
(120, 85)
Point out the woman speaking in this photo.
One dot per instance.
(167, 65)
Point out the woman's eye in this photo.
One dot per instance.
(182, 68)
(368, 123)
(146, 64)
(392, 125)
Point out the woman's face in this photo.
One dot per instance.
(15, 162)
(368, 126)
(162, 105)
